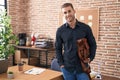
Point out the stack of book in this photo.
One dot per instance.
(44, 43)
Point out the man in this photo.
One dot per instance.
(66, 44)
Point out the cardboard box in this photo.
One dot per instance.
(17, 56)
(20, 56)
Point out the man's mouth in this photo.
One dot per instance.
(69, 19)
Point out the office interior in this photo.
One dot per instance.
(41, 18)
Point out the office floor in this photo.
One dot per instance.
(108, 78)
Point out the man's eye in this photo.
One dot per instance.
(69, 11)
(65, 12)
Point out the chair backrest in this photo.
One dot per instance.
(54, 65)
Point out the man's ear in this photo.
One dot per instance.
(74, 11)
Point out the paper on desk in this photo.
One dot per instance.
(35, 71)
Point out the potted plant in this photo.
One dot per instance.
(10, 75)
(6, 40)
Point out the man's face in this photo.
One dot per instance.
(69, 13)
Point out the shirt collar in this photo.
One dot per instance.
(77, 24)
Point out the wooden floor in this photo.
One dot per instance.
(108, 78)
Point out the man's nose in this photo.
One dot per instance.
(67, 14)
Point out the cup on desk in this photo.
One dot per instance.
(20, 66)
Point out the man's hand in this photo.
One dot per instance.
(61, 66)
(87, 60)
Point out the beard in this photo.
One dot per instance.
(70, 18)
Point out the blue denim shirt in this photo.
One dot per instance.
(66, 45)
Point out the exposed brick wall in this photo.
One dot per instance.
(42, 16)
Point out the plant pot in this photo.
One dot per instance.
(3, 66)
(10, 76)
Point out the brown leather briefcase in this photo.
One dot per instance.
(83, 53)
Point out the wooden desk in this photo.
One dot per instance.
(28, 48)
(46, 75)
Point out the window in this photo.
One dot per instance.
(3, 5)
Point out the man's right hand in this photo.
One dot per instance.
(61, 66)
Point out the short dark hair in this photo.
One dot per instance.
(66, 5)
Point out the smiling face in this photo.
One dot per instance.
(69, 14)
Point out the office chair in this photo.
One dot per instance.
(54, 65)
